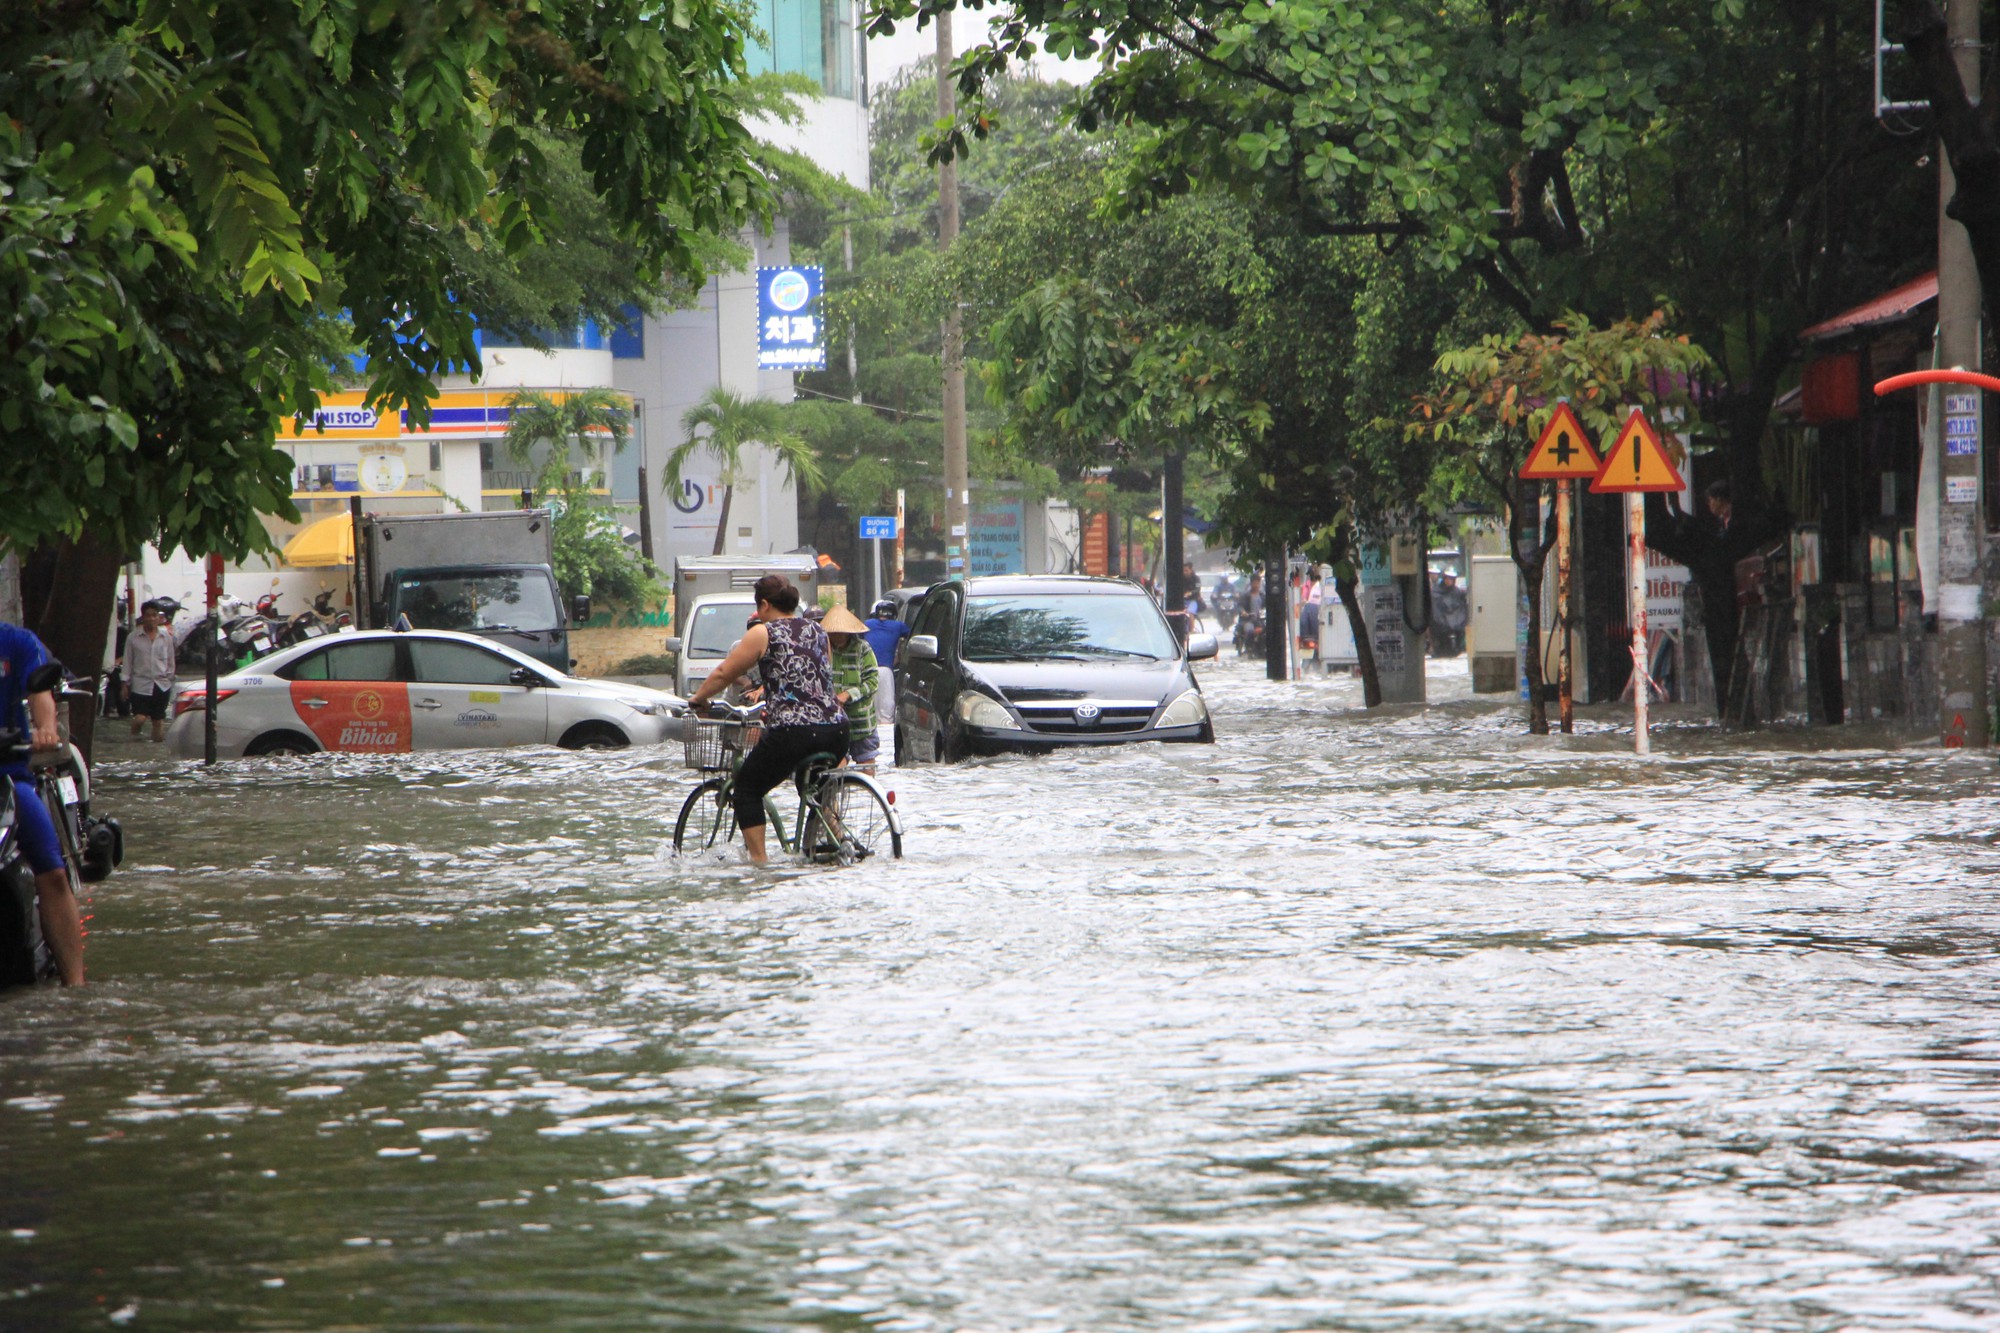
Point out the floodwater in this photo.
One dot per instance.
(1402, 1021)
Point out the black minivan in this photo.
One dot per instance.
(1033, 662)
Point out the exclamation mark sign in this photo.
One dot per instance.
(1635, 458)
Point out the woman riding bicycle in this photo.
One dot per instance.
(801, 715)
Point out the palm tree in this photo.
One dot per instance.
(538, 416)
(733, 421)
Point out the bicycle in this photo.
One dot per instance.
(843, 816)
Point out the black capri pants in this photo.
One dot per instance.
(772, 759)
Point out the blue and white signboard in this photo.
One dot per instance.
(789, 330)
(878, 528)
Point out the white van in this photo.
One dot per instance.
(714, 623)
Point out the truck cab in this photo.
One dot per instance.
(512, 604)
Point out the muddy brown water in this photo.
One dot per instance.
(1404, 1021)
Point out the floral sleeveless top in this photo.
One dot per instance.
(797, 670)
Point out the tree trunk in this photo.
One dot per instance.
(722, 519)
(69, 607)
(1277, 618)
(1172, 544)
(1966, 129)
(71, 613)
(1364, 648)
(1529, 548)
(1531, 581)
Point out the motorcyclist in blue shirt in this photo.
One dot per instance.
(885, 631)
(34, 716)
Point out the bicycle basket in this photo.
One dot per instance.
(709, 745)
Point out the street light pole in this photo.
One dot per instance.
(1962, 720)
(957, 504)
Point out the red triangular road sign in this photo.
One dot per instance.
(1562, 451)
(1637, 461)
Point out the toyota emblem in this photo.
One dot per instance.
(1087, 714)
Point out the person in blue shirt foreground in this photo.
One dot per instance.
(884, 632)
(34, 717)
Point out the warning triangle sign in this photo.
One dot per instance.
(1637, 462)
(1562, 451)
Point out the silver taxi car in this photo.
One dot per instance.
(389, 692)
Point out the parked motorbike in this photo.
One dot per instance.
(91, 846)
(321, 620)
(24, 954)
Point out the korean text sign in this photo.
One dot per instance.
(790, 333)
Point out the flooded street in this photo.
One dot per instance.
(1403, 1021)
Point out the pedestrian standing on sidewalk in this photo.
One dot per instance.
(854, 684)
(1309, 599)
(149, 670)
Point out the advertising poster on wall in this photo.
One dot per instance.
(995, 538)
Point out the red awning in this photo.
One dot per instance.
(1884, 309)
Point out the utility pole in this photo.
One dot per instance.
(1172, 503)
(957, 504)
(1962, 720)
(853, 366)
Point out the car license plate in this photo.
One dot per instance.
(67, 786)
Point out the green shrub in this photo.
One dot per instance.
(646, 664)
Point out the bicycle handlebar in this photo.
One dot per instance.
(731, 712)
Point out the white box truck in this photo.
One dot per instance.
(713, 599)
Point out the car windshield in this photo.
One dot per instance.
(1065, 625)
(516, 600)
(716, 628)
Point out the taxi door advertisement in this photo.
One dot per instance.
(360, 717)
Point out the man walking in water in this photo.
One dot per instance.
(149, 670)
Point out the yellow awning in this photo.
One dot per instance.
(330, 541)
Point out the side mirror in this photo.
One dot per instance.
(921, 648)
(1201, 647)
(673, 643)
(579, 609)
(525, 676)
(48, 676)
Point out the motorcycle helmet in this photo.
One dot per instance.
(884, 609)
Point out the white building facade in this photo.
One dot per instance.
(663, 364)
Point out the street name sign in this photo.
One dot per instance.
(1637, 461)
(1562, 451)
(878, 528)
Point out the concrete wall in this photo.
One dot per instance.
(598, 651)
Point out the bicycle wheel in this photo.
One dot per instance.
(705, 818)
(850, 821)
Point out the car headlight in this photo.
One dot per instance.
(1187, 711)
(643, 706)
(979, 710)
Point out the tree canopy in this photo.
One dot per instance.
(204, 203)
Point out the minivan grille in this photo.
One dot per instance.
(1060, 718)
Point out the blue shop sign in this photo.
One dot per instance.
(790, 333)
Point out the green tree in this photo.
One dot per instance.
(571, 433)
(243, 191)
(890, 305)
(1497, 395)
(1587, 157)
(723, 423)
